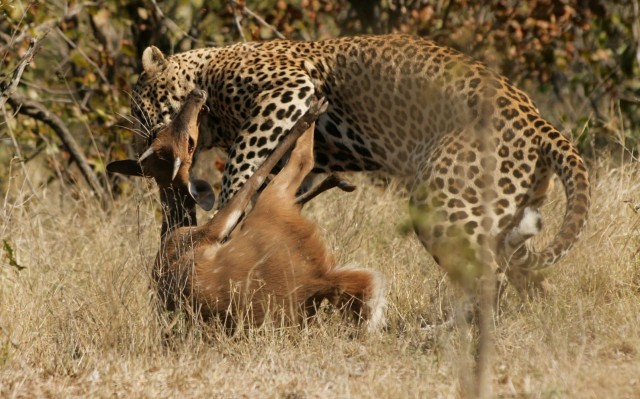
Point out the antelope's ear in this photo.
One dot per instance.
(202, 193)
(153, 60)
(127, 167)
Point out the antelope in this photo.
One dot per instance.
(248, 262)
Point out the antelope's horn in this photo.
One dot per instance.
(176, 166)
(145, 154)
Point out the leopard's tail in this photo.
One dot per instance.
(558, 154)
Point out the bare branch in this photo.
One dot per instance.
(261, 21)
(174, 26)
(37, 111)
(636, 28)
(43, 27)
(84, 55)
(20, 158)
(5, 37)
(234, 7)
(8, 89)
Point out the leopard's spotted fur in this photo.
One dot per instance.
(480, 154)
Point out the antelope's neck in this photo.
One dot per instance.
(178, 210)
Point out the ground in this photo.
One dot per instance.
(76, 321)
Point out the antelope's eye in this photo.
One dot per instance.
(192, 146)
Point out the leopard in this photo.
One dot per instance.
(479, 156)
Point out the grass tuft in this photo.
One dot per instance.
(76, 317)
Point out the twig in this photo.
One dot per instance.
(37, 111)
(174, 26)
(74, 46)
(21, 159)
(54, 92)
(5, 37)
(636, 28)
(445, 15)
(9, 39)
(8, 89)
(234, 6)
(43, 27)
(263, 23)
(247, 11)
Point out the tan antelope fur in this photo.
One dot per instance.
(273, 259)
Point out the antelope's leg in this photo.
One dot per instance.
(223, 222)
(328, 183)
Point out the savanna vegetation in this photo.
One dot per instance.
(75, 315)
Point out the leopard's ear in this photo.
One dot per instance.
(153, 60)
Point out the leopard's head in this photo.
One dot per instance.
(158, 94)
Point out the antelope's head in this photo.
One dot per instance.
(169, 158)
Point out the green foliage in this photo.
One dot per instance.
(11, 258)
(579, 60)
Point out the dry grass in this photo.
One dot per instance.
(77, 320)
